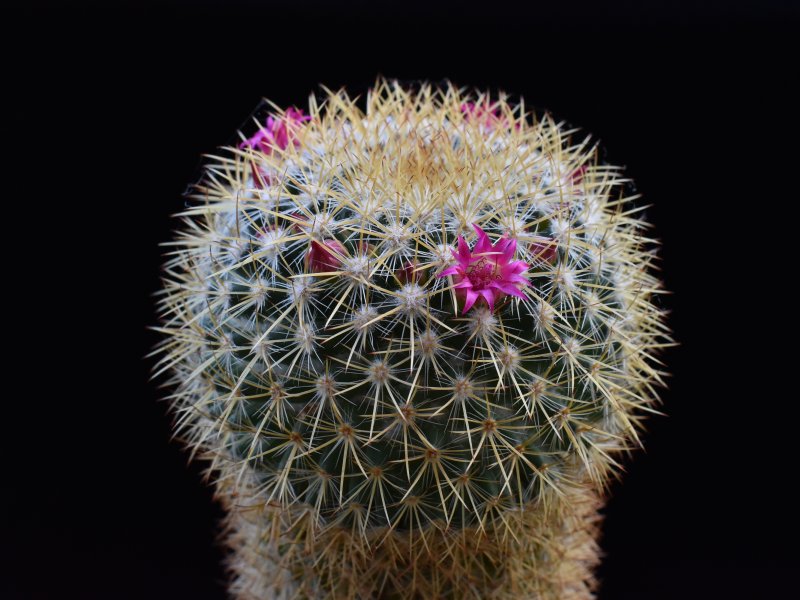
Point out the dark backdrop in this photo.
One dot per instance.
(121, 102)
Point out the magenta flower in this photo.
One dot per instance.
(488, 116)
(277, 133)
(480, 112)
(489, 271)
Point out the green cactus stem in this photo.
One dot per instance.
(412, 341)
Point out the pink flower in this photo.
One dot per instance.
(277, 133)
(480, 112)
(489, 271)
(488, 116)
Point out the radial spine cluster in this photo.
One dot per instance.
(411, 334)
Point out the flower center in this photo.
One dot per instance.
(482, 272)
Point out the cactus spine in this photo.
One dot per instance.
(411, 340)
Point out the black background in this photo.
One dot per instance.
(119, 103)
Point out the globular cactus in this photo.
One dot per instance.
(412, 341)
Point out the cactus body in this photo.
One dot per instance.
(411, 341)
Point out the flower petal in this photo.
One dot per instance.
(489, 295)
(510, 289)
(472, 296)
(484, 244)
(464, 254)
(508, 249)
(449, 271)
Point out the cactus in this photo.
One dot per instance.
(412, 341)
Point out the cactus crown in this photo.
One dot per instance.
(432, 311)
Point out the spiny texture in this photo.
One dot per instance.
(411, 340)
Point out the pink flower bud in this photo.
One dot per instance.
(577, 175)
(299, 220)
(260, 178)
(324, 256)
(543, 251)
(408, 273)
(364, 247)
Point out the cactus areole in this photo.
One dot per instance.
(411, 336)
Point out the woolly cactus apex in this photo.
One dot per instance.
(411, 339)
